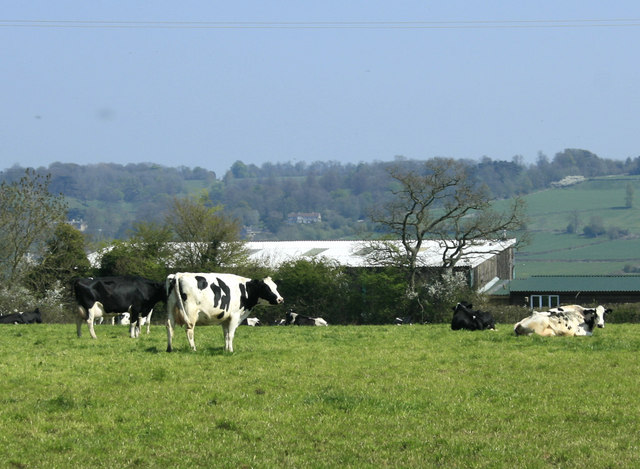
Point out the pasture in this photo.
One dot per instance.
(339, 396)
(553, 251)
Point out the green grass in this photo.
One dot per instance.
(353, 396)
(553, 251)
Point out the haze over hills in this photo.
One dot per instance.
(330, 200)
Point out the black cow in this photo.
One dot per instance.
(22, 318)
(301, 320)
(97, 297)
(464, 317)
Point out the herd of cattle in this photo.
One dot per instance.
(227, 300)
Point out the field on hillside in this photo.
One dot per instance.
(338, 396)
(553, 251)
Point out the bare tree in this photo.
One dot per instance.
(29, 214)
(439, 202)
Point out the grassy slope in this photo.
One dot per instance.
(368, 396)
(553, 251)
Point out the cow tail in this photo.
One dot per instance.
(179, 299)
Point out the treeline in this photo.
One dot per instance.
(110, 198)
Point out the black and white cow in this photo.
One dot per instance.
(572, 320)
(124, 319)
(301, 320)
(403, 321)
(210, 298)
(253, 322)
(30, 317)
(110, 296)
(465, 317)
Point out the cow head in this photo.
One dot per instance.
(290, 317)
(600, 313)
(463, 305)
(269, 292)
(487, 320)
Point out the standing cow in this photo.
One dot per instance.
(210, 298)
(97, 297)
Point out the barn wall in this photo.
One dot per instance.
(505, 261)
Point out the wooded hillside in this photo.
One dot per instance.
(332, 199)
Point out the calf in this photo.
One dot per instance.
(301, 320)
(102, 296)
(210, 298)
(562, 321)
(464, 317)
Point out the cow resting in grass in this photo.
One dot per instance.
(30, 317)
(573, 320)
(301, 320)
(464, 317)
(111, 296)
(210, 298)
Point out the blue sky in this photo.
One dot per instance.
(207, 83)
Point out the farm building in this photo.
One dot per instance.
(544, 291)
(485, 265)
(488, 264)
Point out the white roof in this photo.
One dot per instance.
(353, 253)
(350, 253)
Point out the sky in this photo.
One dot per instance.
(207, 83)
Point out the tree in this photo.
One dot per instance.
(314, 287)
(147, 253)
(439, 201)
(209, 239)
(29, 214)
(63, 259)
(628, 200)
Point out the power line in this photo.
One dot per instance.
(479, 24)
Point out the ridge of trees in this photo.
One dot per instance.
(111, 198)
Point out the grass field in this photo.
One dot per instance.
(341, 396)
(553, 251)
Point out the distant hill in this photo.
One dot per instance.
(329, 200)
(588, 228)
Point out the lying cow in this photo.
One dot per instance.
(111, 296)
(301, 320)
(404, 320)
(465, 317)
(253, 322)
(209, 298)
(22, 318)
(570, 320)
(600, 310)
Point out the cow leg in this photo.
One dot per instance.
(171, 322)
(82, 313)
(134, 323)
(134, 328)
(229, 329)
(149, 321)
(189, 328)
(90, 316)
